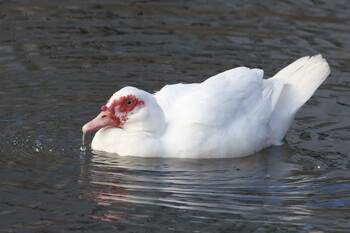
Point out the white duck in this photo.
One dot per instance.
(232, 114)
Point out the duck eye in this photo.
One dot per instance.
(129, 102)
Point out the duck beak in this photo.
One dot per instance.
(104, 119)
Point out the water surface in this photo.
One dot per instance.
(61, 61)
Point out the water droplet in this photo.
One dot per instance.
(82, 148)
(318, 167)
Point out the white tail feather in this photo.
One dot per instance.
(300, 79)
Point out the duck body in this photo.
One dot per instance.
(233, 114)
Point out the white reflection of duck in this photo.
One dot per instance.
(123, 185)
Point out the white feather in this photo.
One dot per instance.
(301, 79)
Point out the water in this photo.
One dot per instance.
(83, 147)
(61, 61)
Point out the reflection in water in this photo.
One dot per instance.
(232, 186)
(273, 186)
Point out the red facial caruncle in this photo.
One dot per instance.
(123, 106)
(114, 113)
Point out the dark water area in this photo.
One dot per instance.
(60, 61)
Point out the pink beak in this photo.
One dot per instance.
(104, 119)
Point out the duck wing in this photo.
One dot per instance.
(222, 99)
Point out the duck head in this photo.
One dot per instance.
(129, 109)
